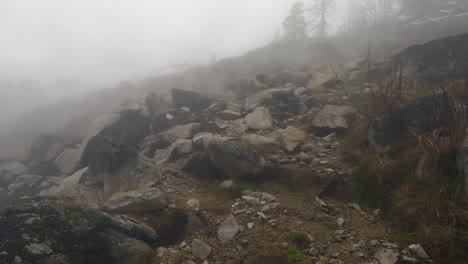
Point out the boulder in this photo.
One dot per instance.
(68, 160)
(125, 249)
(235, 158)
(261, 143)
(289, 138)
(180, 132)
(200, 249)
(333, 117)
(68, 187)
(386, 256)
(175, 151)
(196, 101)
(267, 97)
(259, 119)
(229, 115)
(228, 229)
(137, 201)
(234, 107)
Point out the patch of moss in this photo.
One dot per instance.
(245, 185)
(294, 254)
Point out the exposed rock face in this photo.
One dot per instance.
(332, 117)
(141, 201)
(448, 59)
(289, 138)
(68, 160)
(74, 235)
(233, 156)
(423, 114)
(196, 101)
(259, 119)
(228, 229)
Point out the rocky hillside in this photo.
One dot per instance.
(260, 171)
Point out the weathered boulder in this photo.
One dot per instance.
(261, 143)
(267, 97)
(228, 229)
(125, 249)
(140, 201)
(68, 187)
(289, 138)
(196, 101)
(333, 117)
(259, 119)
(69, 160)
(200, 249)
(235, 158)
(180, 132)
(386, 256)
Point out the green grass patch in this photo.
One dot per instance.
(295, 254)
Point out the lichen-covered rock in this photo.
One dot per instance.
(235, 158)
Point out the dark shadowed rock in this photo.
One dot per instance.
(424, 114)
(196, 101)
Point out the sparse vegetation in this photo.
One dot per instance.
(294, 254)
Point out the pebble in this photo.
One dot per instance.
(340, 222)
(313, 252)
(250, 225)
(262, 215)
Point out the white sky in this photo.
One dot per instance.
(120, 39)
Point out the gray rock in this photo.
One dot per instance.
(180, 132)
(233, 157)
(227, 184)
(127, 250)
(194, 203)
(340, 222)
(29, 179)
(237, 127)
(175, 151)
(299, 91)
(228, 229)
(38, 249)
(234, 107)
(68, 160)
(14, 168)
(69, 187)
(261, 143)
(229, 115)
(200, 249)
(138, 201)
(289, 138)
(264, 97)
(313, 252)
(259, 119)
(334, 117)
(417, 251)
(386, 256)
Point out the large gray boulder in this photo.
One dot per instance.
(175, 151)
(333, 117)
(137, 201)
(68, 160)
(235, 158)
(259, 119)
(289, 138)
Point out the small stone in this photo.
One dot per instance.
(417, 251)
(339, 232)
(262, 215)
(169, 116)
(227, 184)
(200, 249)
(250, 225)
(228, 229)
(313, 252)
(194, 203)
(374, 242)
(340, 222)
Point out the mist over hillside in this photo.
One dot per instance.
(250, 131)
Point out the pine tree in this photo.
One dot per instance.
(295, 25)
(321, 12)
